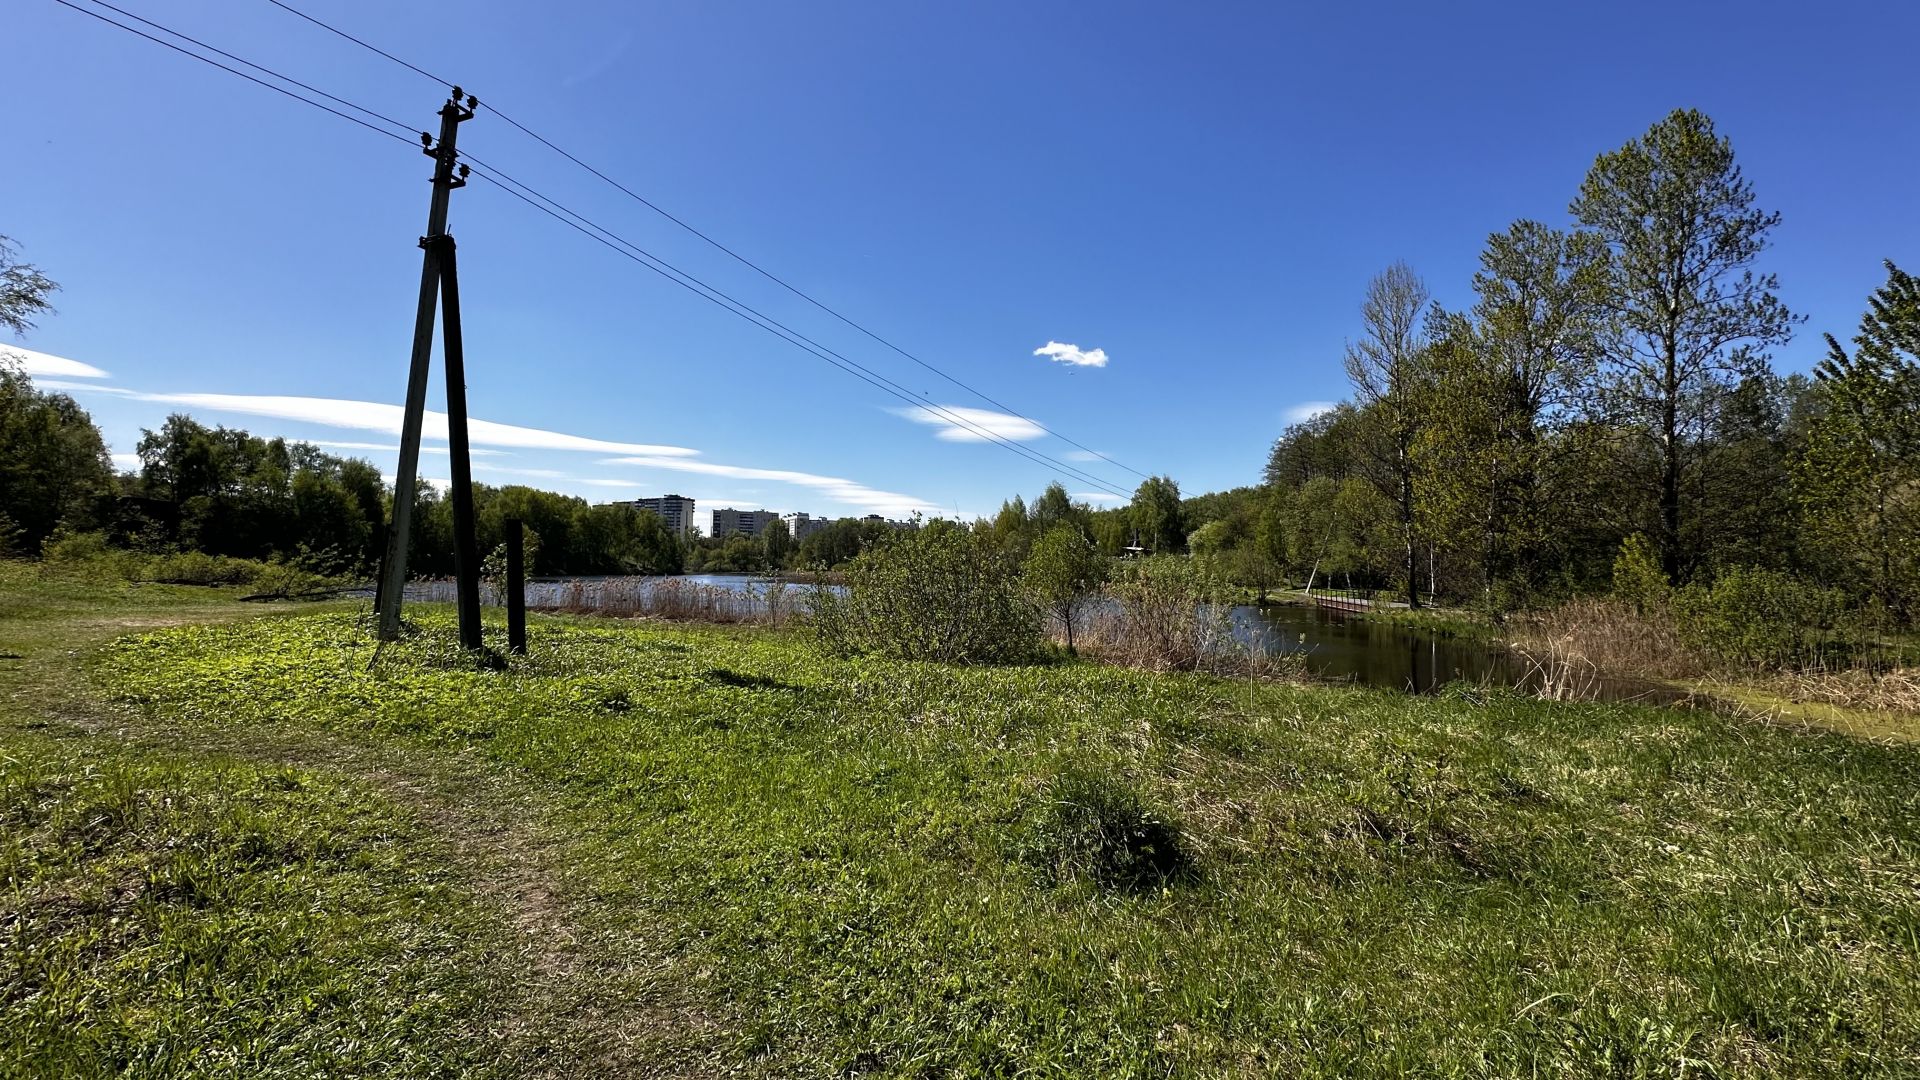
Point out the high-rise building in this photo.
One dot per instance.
(745, 522)
(676, 512)
(802, 525)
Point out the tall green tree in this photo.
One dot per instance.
(777, 541)
(1859, 476)
(1392, 380)
(1683, 231)
(1157, 517)
(53, 465)
(1512, 379)
(1064, 572)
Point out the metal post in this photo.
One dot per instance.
(516, 588)
(466, 552)
(394, 572)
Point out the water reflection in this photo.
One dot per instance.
(1345, 647)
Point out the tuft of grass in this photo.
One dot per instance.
(1093, 825)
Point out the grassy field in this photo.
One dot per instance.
(666, 850)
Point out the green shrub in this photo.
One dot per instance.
(89, 555)
(1091, 825)
(941, 593)
(287, 579)
(1754, 618)
(1637, 577)
(1168, 613)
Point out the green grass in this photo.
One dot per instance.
(165, 917)
(780, 863)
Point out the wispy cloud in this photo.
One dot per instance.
(386, 419)
(1061, 352)
(1081, 455)
(1099, 497)
(1306, 410)
(541, 474)
(383, 418)
(836, 488)
(127, 462)
(40, 365)
(957, 423)
(394, 448)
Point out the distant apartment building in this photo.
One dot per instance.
(676, 511)
(801, 526)
(888, 522)
(729, 521)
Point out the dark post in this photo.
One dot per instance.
(393, 573)
(516, 589)
(466, 554)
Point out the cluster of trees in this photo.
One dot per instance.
(222, 491)
(1611, 380)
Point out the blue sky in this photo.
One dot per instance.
(1200, 192)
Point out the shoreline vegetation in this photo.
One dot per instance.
(1577, 646)
(651, 846)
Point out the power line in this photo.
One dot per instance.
(604, 236)
(235, 71)
(257, 67)
(632, 251)
(742, 259)
(375, 48)
(852, 367)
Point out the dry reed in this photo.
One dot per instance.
(1602, 635)
(766, 603)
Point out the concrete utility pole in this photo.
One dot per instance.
(438, 280)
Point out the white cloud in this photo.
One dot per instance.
(394, 448)
(960, 424)
(39, 364)
(1061, 352)
(543, 474)
(1099, 497)
(127, 462)
(849, 492)
(1306, 410)
(383, 418)
(1081, 455)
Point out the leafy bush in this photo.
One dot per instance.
(1092, 825)
(1637, 577)
(1755, 618)
(941, 593)
(89, 555)
(1063, 574)
(1168, 613)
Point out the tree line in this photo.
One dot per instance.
(1610, 384)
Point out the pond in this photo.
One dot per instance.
(1351, 648)
(1333, 645)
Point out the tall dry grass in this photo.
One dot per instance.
(1895, 690)
(765, 603)
(1603, 635)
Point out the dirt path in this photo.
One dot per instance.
(577, 995)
